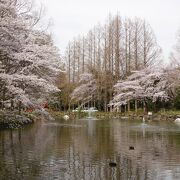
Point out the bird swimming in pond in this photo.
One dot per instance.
(131, 147)
(112, 164)
(66, 117)
(177, 120)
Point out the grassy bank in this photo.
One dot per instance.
(72, 115)
(12, 120)
(161, 115)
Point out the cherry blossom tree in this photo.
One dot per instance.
(148, 84)
(29, 61)
(87, 89)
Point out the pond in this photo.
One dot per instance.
(82, 150)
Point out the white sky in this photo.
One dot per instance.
(74, 17)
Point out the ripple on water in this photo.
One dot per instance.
(64, 125)
(90, 119)
(74, 152)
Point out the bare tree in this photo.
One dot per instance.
(112, 52)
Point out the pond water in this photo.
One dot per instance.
(82, 150)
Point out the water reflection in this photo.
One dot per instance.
(82, 149)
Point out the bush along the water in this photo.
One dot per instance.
(177, 99)
(14, 121)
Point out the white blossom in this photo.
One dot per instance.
(145, 84)
(29, 62)
(86, 89)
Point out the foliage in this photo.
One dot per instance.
(150, 85)
(87, 89)
(29, 62)
(111, 52)
(177, 99)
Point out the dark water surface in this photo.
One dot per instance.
(82, 150)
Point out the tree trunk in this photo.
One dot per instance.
(129, 106)
(145, 106)
(136, 106)
(12, 105)
(19, 107)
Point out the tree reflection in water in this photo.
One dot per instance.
(82, 149)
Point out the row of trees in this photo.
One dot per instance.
(29, 62)
(111, 64)
(110, 52)
(148, 88)
(118, 47)
(153, 87)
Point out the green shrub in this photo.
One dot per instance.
(177, 99)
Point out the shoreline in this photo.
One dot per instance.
(164, 116)
(12, 120)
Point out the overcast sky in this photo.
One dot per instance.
(74, 17)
